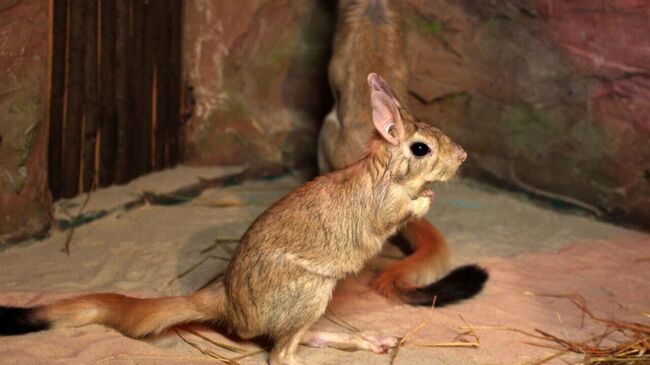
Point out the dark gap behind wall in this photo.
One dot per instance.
(115, 95)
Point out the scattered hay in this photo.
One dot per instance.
(220, 344)
(207, 352)
(459, 341)
(215, 355)
(218, 242)
(403, 340)
(629, 342)
(195, 266)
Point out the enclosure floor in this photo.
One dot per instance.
(147, 251)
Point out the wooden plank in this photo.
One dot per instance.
(108, 130)
(149, 61)
(162, 83)
(91, 112)
(121, 89)
(75, 100)
(174, 135)
(57, 96)
(138, 149)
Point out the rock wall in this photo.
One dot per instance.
(24, 196)
(550, 96)
(257, 72)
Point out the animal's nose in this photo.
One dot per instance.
(461, 155)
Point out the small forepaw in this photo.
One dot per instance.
(420, 206)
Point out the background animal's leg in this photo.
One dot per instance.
(426, 264)
(327, 138)
(284, 349)
(349, 341)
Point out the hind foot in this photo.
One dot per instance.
(350, 341)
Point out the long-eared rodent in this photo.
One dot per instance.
(370, 37)
(283, 271)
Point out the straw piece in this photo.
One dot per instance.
(546, 359)
(403, 340)
(196, 265)
(220, 344)
(219, 242)
(458, 340)
(634, 349)
(332, 317)
(208, 352)
(473, 345)
(252, 353)
(75, 220)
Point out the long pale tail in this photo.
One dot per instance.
(133, 317)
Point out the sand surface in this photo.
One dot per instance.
(147, 251)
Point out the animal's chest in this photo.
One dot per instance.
(367, 247)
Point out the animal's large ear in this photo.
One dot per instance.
(385, 113)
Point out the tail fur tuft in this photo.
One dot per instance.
(461, 283)
(17, 321)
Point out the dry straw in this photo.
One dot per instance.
(619, 343)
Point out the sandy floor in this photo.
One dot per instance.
(148, 249)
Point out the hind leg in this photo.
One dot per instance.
(284, 350)
(349, 341)
(326, 140)
(288, 320)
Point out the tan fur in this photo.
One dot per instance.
(283, 271)
(136, 317)
(296, 251)
(369, 38)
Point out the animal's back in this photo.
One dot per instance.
(369, 38)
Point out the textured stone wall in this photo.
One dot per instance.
(550, 96)
(258, 75)
(24, 198)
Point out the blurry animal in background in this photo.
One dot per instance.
(370, 38)
(283, 271)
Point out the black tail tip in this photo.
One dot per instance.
(17, 321)
(461, 283)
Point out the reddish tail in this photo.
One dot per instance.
(133, 317)
(410, 278)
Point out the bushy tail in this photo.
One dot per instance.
(461, 283)
(133, 317)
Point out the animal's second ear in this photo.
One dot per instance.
(385, 113)
(377, 83)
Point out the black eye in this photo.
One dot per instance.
(420, 149)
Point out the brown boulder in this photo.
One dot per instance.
(258, 75)
(25, 202)
(550, 96)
